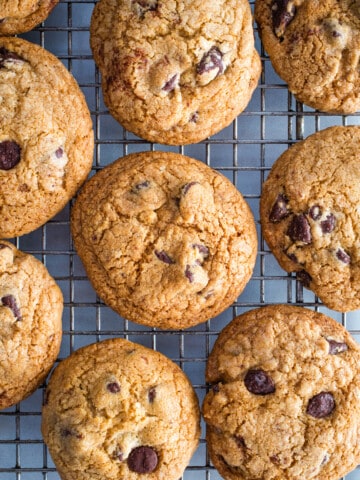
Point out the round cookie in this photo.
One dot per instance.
(116, 409)
(31, 306)
(23, 15)
(310, 214)
(175, 72)
(284, 402)
(166, 241)
(46, 138)
(313, 46)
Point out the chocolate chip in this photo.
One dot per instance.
(315, 212)
(113, 387)
(6, 55)
(171, 84)
(211, 60)
(279, 210)
(325, 459)
(164, 257)
(291, 256)
(259, 382)
(283, 12)
(187, 187)
(147, 5)
(299, 229)
(336, 347)
(141, 186)
(194, 117)
(328, 225)
(202, 249)
(215, 388)
(65, 432)
(275, 459)
(321, 405)
(240, 442)
(304, 278)
(151, 394)
(59, 152)
(10, 302)
(142, 460)
(9, 154)
(343, 256)
(189, 274)
(118, 455)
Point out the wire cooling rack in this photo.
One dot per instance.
(243, 152)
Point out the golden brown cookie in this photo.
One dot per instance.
(313, 46)
(284, 402)
(310, 214)
(118, 410)
(46, 138)
(175, 72)
(23, 15)
(166, 241)
(31, 306)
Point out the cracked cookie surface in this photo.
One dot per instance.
(175, 72)
(46, 138)
(17, 16)
(166, 241)
(314, 47)
(31, 306)
(284, 402)
(116, 409)
(310, 217)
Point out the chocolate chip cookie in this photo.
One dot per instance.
(310, 214)
(284, 402)
(118, 410)
(313, 46)
(166, 241)
(46, 138)
(23, 15)
(31, 307)
(175, 72)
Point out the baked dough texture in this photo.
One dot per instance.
(310, 214)
(314, 46)
(46, 137)
(175, 72)
(284, 402)
(18, 16)
(31, 306)
(118, 410)
(166, 241)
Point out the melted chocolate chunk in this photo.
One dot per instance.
(343, 256)
(336, 347)
(164, 257)
(142, 460)
(113, 387)
(189, 274)
(259, 382)
(212, 60)
(118, 455)
(147, 5)
(151, 394)
(6, 55)
(240, 442)
(194, 117)
(304, 278)
(10, 153)
(279, 210)
(141, 186)
(171, 84)
(299, 229)
(10, 302)
(321, 405)
(283, 12)
(65, 432)
(215, 388)
(328, 225)
(59, 152)
(202, 249)
(315, 212)
(187, 187)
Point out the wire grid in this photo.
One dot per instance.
(243, 152)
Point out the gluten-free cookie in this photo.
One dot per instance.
(284, 402)
(313, 46)
(46, 138)
(175, 72)
(31, 306)
(118, 410)
(166, 241)
(23, 15)
(310, 214)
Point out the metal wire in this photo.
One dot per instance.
(244, 152)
